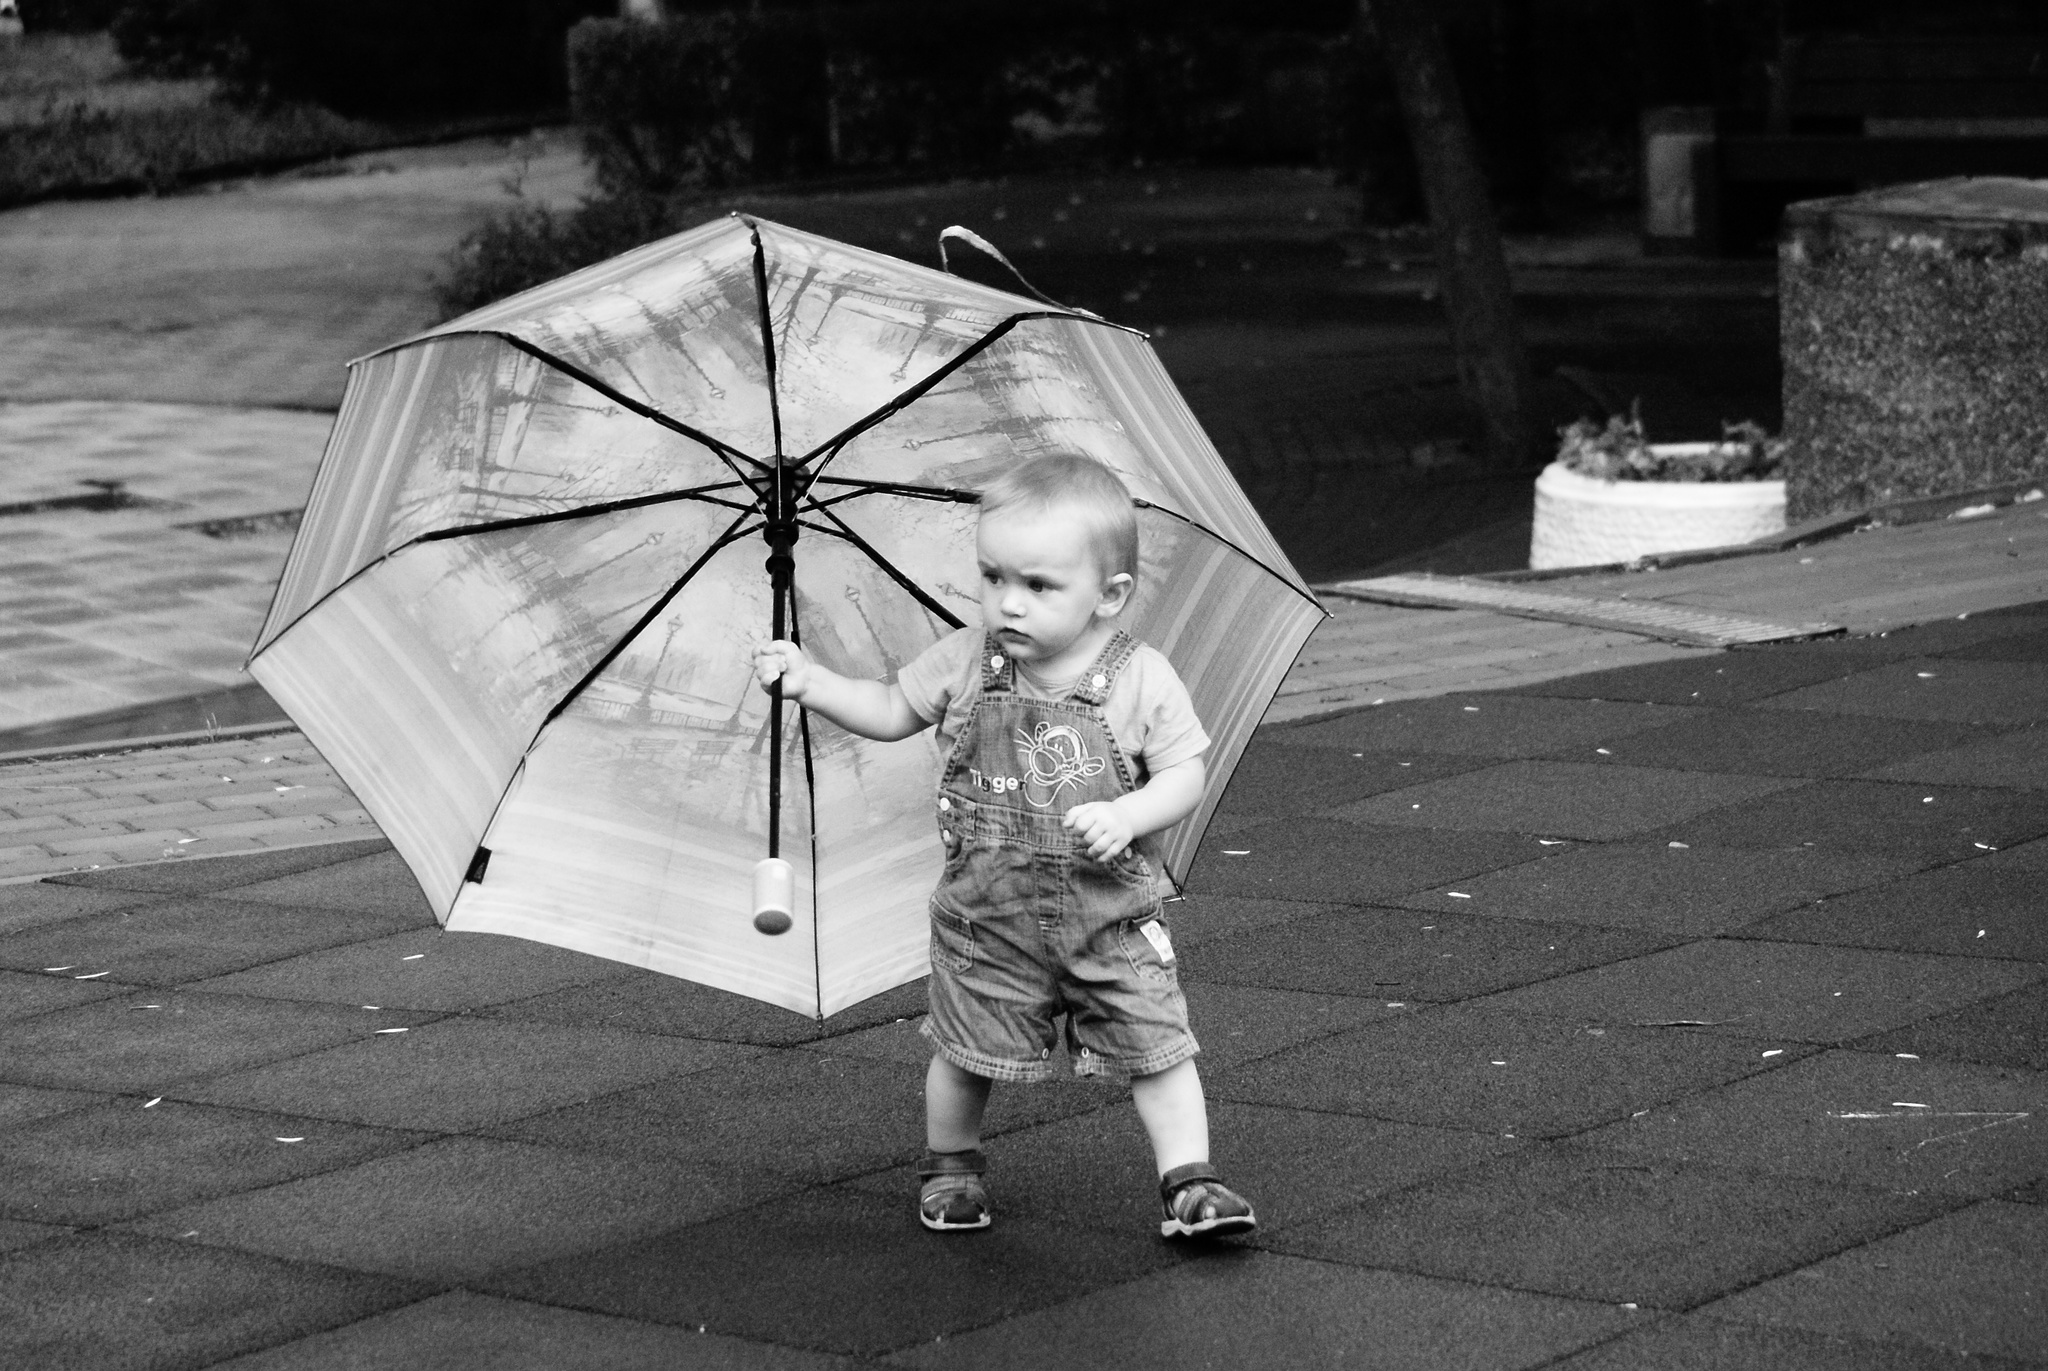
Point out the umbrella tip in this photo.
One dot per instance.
(774, 895)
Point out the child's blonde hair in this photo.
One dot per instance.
(1097, 497)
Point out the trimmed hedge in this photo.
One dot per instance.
(67, 16)
(371, 58)
(723, 97)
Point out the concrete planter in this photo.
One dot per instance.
(1913, 322)
(1581, 521)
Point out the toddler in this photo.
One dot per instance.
(1067, 744)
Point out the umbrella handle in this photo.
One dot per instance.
(774, 895)
(975, 240)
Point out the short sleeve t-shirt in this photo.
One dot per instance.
(1148, 710)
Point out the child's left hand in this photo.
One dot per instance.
(1101, 827)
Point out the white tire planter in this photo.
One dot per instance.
(1581, 521)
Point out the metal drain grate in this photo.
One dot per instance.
(1650, 618)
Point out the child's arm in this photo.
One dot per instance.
(870, 708)
(1107, 827)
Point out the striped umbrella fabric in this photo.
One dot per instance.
(519, 615)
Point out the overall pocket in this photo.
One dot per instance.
(952, 939)
(1150, 955)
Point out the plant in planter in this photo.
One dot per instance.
(1614, 496)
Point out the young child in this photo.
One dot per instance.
(1067, 744)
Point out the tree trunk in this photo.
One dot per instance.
(1493, 366)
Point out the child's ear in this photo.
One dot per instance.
(1116, 593)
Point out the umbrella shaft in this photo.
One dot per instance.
(781, 535)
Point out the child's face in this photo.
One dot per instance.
(1042, 592)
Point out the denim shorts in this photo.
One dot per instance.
(1022, 936)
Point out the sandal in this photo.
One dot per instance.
(1197, 1204)
(953, 1197)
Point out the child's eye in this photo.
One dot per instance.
(1037, 586)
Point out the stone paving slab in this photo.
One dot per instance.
(1959, 911)
(1392, 954)
(425, 969)
(1560, 799)
(1928, 822)
(1268, 1309)
(172, 941)
(455, 1209)
(1486, 1069)
(104, 1299)
(1939, 1284)
(462, 1331)
(1693, 1342)
(1571, 1222)
(843, 1275)
(1661, 890)
(1768, 742)
(1932, 688)
(450, 1076)
(145, 1041)
(2016, 759)
(1331, 861)
(1782, 992)
(119, 1161)
(1859, 1118)
(2005, 1030)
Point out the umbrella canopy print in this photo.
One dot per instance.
(519, 614)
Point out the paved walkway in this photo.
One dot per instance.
(1687, 1014)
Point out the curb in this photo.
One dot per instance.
(1921, 509)
(204, 735)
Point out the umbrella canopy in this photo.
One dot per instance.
(519, 614)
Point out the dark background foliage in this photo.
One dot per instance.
(369, 58)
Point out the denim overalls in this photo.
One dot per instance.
(1026, 926)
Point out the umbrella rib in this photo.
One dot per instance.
(1206, 531)
(831, 446)
(437, 535)
(726, 452)
(943, 494)
(767, 331)
(733, 533)
(916, 591)
(699, 493)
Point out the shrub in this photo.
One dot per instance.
(83, 150)
(1619, 450)
(529, 244)
(378, 58)
(972, 85)
(67, 16)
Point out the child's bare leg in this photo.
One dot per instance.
(954, 1101)
(1175, 1116)
(1195, 1201)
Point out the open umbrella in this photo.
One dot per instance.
(545, 537)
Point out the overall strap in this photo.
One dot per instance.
(1097, 681)
(998, 672)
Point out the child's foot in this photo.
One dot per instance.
(952, 1196)
(1197, 1204)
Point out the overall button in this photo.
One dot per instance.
(945, 835)
(995, 664)
(1099, 681)
(945, 803)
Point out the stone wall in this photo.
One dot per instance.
(1914, 331)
